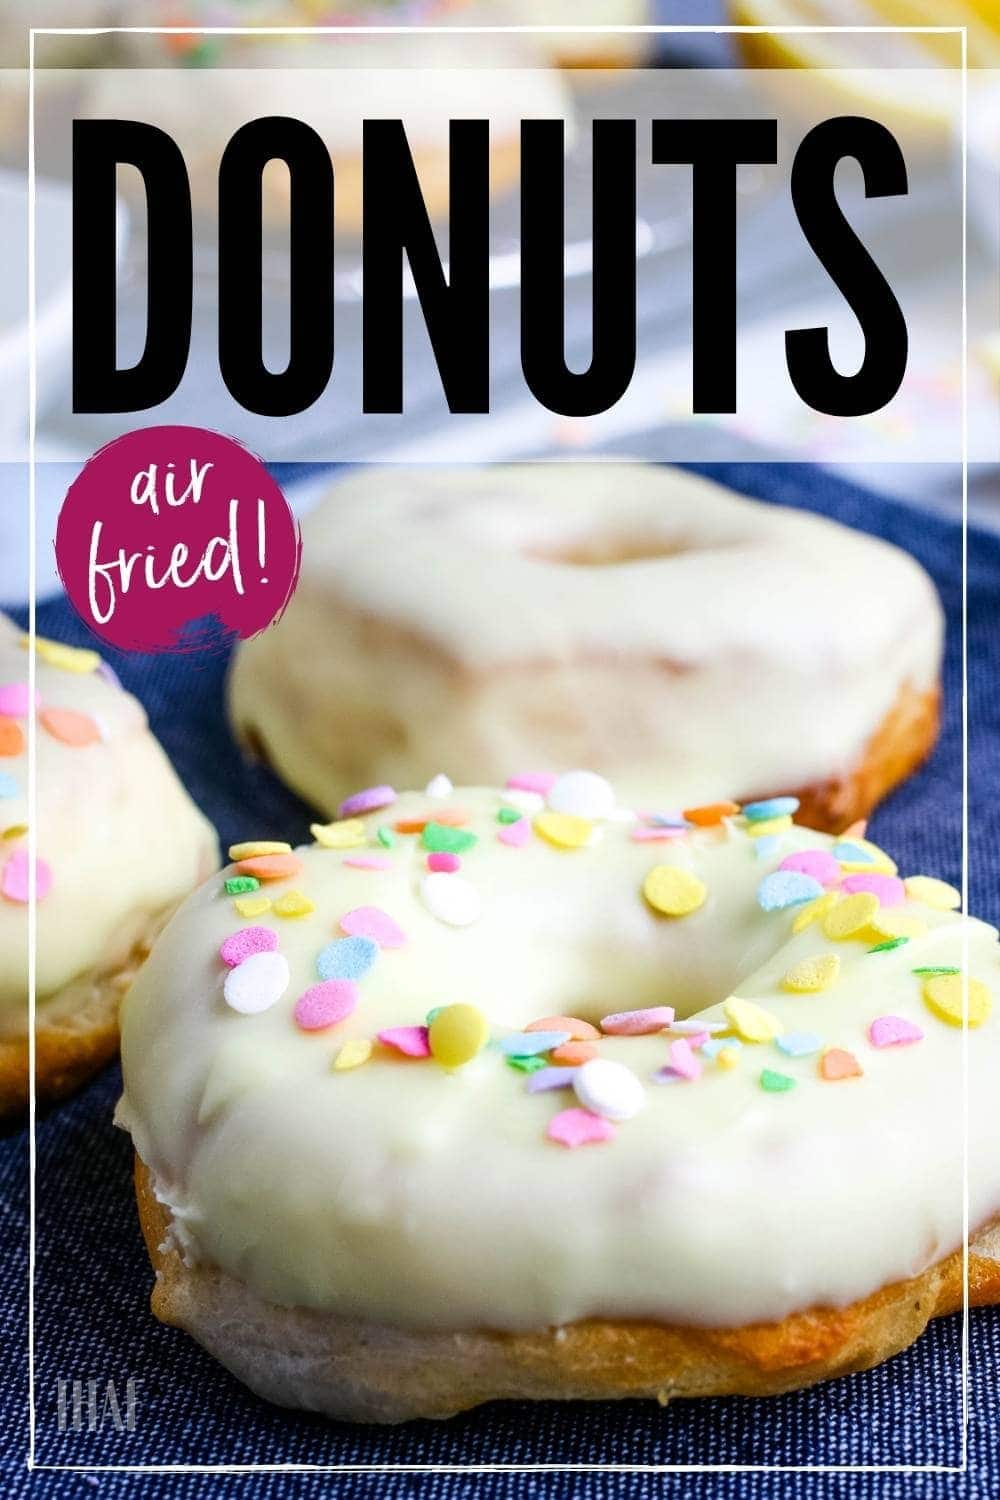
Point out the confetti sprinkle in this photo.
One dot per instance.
(683, 1063)
(65, 658)
(367, 862)
(770, 807)
(347, 958)
(347, 835)
(372, 922)
(837, 1063)
(411, 1041)
(718, 1044)
(582, 794)
(532, 1064)
(814, 910)
(579, 1127)
(241, 885)
(440, 860)
(11, 737)
(449, 817)
(943, 996)
(270, 866)
(815, 862)
(456, 1034)
(441, 838)
(728, 1056)
(936, 893)
(385, 836)
(893, 1031)
(8, 785)
(784, 888)
(768, 827)
(238, 947)
(766, 846)
(451, 899)
(14, 879)
(439, 787)
(799, 1043)
(572, 1054)
(293, 905)
(256, 847)
(508, 815)
(257, 983)
(563, 830)
(711, 813)
(850, 916)
(527, 1043)
(575, 1029)
(252, 906)
(609, 1089)
(673, 891)
(326, 1004)
(658, 834)
(538, 782)
(370, 800)
(861, 854)
(810, 975)
(515, 835)
(638, 1022)
(695, 1026)
(70, 727)
(775, 1083)
(888, 888)
(550, 1078)
(15, 700)
(750, 1021)
(352, 1054)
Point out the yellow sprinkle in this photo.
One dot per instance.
(810, 975)
(66, 658)
(352, 1054)
(808, 914)
(456, 1034)
(564, 830)
(850, 916)
(727, 1057)
(943, 994)
(16, 831)
(293, 904)
(672, 891)
(878, 864)
(896, 923)
(751, 1022)
(769, 825)
(936, 893)
(346, 835)
(252, 906)
(255, 847)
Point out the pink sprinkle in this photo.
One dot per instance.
(815, 862)
(893, 1031)
(14, 881)
(326, 1004)
(638, 1022)
(372, 922)
(682, 1059)
(889, 890)
(578, 1127)
(515, 834)
(656, 835)
(440, 860)
(532, 781)
(372, 798)
(240, 945)
(696, 1039)
(410, 1040)
(15, 700)
(368, 861)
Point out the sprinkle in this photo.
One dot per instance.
(293, 905)
(70, 727)
(936, 893)
(888, 888)
(456, 1034)
(711, 813)
(775, 1083)
(440, 860)
(893, 1031)
(836, 1064)
(449, 817)
(889, 945)
(668, 820)
(575, 1029)
(256, 847)
(549, 1078)
(508, 815)
(8, 785)
(750, 1021)
(367, 862)
(326, 1004)
(771, 807)
(673, 891)
(372, 922)
(346, 958)
(451, 898)
(897, 924)
(241, 885)
(638, 1022)
(850, 916)
(564, 830)
(766, 846)
(862, 854)
(609, 1089)
(572, 1054)
(346, 835)
(937, 969)
(815, 862)
(352, 1054)
(810, 975)
(439, 787)
(439, 837)
(385, 836)
(532, 1064)
(15, 831)
(694, 1026)
(270, 866)
(238, 947)
(808, 915)
(852, 854)
(658, 834)
(683, 1061)
(523, 802)
(768, 827)
(783, 888)
(257, 983)
(66, 658)
(15, 700)
(582, 794)
(515, 835)
(718, 1044)
(370, 800)
(578, 1127)
(527, 1043)
(799, 1043)
(11, 737)
(943, 995)
(539, 782)
(410, 1040)
(252, 906)
(729, 1055)
(15, 878)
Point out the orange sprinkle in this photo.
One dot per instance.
(70, 727)
(579, 1031)
(571, 1054)
(270, 866)
(11, 737)
(711, 813)
(454, 817)
(836, 1064)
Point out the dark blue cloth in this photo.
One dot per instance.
(93, 1277)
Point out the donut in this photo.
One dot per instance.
(119, 843)
(514, 1093)
(634, 618)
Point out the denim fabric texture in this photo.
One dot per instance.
(92, 1276)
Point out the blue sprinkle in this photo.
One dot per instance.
(8, 786)
(346, 958)
(528, 1043)
(550, 1078)
(786, 888)
(799, 1043)
(773, 807)
(715, 1044)
(766, 846)
(666, 820)
(853, 853)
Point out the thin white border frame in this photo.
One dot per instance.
(419, 30)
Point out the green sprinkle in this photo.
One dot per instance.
(441, 838)
(508, 815)
(886, 947)
(938, 969)
(775, 1083)
(385, 836)
(527, 1064)
(436, 1011)
(240, 885)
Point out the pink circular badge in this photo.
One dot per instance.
(172, 538)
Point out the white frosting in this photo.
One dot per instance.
(121, 837)
(408, 1194)
(740, 648)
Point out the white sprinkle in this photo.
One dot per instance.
(583, 793)
(692, 1028)
(257, 983)
(525, 802)
(450, 898)
(439, 786)
(608, 1088)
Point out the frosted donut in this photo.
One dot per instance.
(480, 1096)
(119, 843)
(637, 619)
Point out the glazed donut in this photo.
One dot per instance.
(634, 618)
(119, 844)
(516, 1094)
